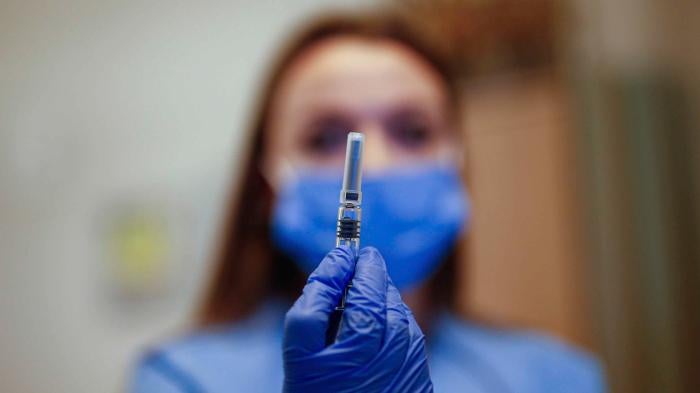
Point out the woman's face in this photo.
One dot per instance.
(378, 87)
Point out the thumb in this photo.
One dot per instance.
(364, 320)
(307, 321)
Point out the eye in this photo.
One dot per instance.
(410, 129)
(327, 135)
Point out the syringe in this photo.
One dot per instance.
(349, 216)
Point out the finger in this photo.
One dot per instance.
(397, 337)
(411, 344)
(397, 331)
(415, 363)
(364, 321)
(307, 321)
(416, 354)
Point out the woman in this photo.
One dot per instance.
(368, 74)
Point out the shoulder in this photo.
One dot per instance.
(558, 365)
(157, 370)
(523, 357)
(213, 359)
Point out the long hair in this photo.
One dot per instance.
(248, 268)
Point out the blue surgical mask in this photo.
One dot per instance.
(412, 216)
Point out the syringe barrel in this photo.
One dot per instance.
(349, 212)
(352, 174)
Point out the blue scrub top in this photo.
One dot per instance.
(463, 357)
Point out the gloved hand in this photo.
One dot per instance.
(379, 347)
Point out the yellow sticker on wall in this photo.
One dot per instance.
(139, 248)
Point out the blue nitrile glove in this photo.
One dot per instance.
(379, 347)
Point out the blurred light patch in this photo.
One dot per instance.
(143, 248)
(139, 250)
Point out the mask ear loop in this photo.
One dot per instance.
(281, 174)
(451, 156)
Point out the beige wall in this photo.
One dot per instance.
(524, 266)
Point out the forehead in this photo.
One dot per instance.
(356, 72)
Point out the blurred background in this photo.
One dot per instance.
(121, 124)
